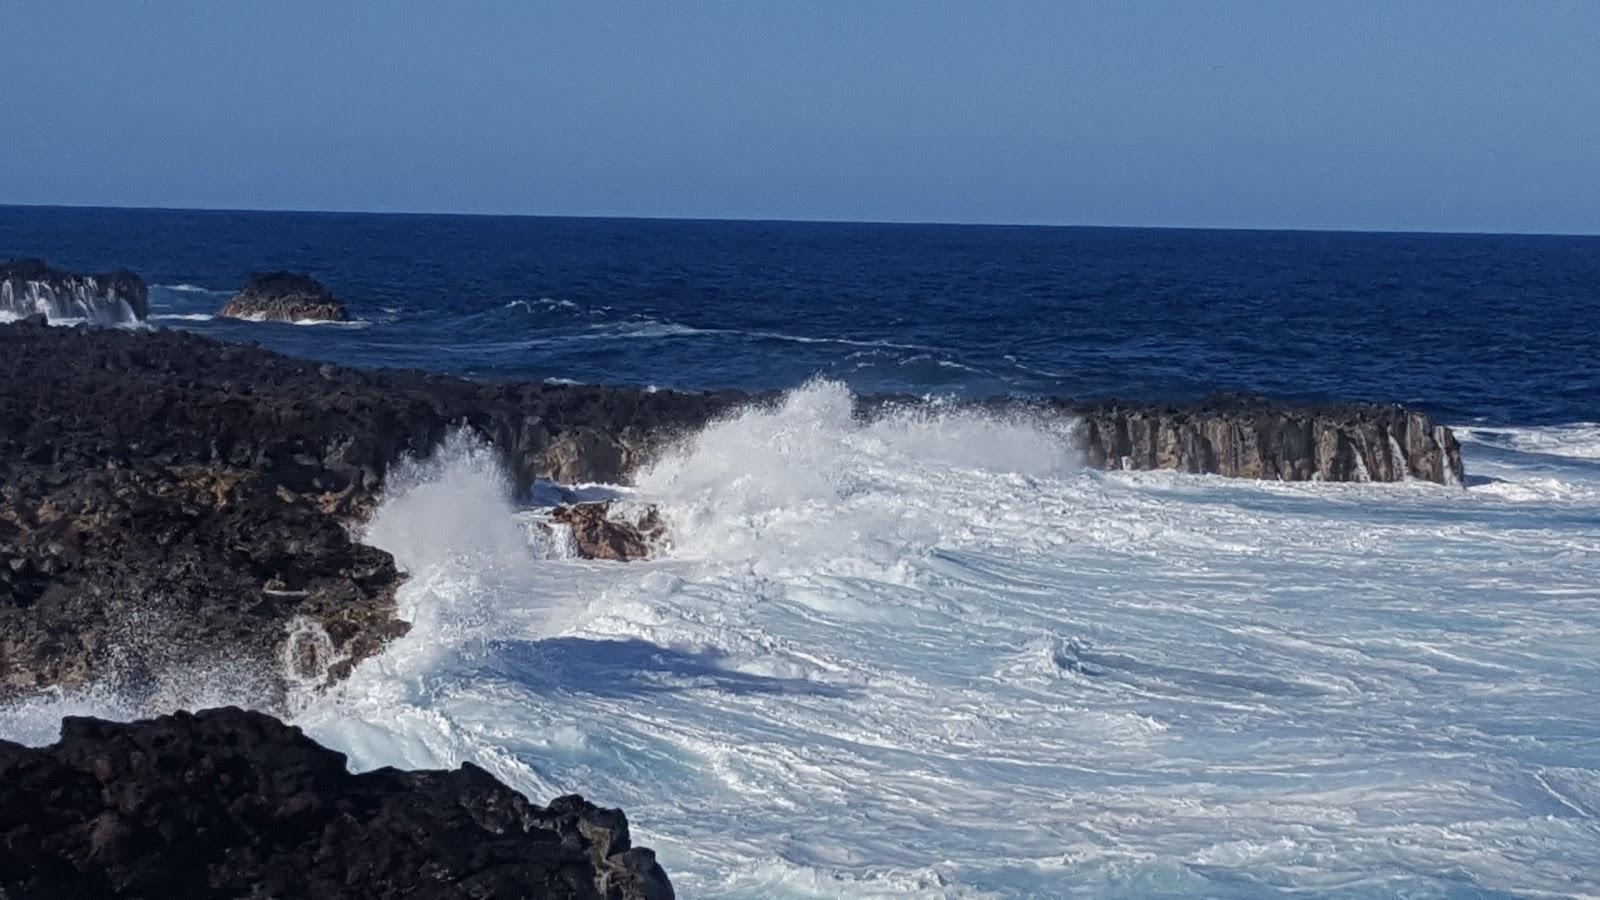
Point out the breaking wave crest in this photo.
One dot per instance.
(809, 464)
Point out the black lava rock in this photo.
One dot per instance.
(227, 803)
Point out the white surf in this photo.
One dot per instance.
(931, 656)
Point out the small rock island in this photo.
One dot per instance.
(285, 297)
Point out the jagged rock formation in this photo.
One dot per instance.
(285, 297)
(597, 535)
(228, 803)
(29, 287)
(1251, 437)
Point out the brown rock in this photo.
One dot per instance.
(598, 536)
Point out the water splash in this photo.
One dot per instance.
(81, 300)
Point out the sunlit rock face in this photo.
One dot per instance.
(1250, 437)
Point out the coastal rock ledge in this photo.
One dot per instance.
(229, 803)
(1246, 436)
(28, 287)
(285, 297)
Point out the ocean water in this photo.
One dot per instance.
(932, 655)
(1471, 327)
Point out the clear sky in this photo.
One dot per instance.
(1478, 116)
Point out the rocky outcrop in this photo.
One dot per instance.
(597, 534)
(165, 497)
(129, 569)
(1246, 436)
(227, 803)
(29, 287)
(285, 297)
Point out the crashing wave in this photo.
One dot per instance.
(29, 287)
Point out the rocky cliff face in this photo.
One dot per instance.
(227, 803)
(29, 287)
(285, 297)
(1250, 437)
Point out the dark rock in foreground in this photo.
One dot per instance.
(597, 535)
(285, 297)
(29, 287)
(227, 803)
(1251, 437)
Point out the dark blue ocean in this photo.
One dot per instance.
(1495, 328)
(933, 655)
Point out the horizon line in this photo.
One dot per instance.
(813, 221)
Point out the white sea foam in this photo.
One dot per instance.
(79, 304)
(929, 655)
(353, 323)
(263, 319)
(184, 317)
(1579, 440)
(130, 323)
(189, 289)
(541, 303)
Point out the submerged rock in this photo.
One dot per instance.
(228, 803)
(597, 535)
(29, 287)
(285, 297)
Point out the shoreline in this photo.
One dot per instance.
(216, 490)
(247, 466)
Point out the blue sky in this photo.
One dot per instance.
(1410, 115)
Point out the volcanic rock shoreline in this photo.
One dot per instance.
(165, 496)
(169, 500)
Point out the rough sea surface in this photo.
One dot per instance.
(933, 655)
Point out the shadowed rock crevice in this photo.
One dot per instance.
(228, 803)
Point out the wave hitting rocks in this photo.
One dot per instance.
(168, 497)
(28, 287)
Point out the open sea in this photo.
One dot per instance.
(934, 656)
